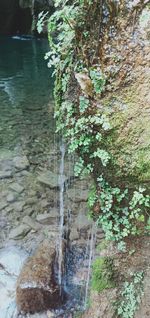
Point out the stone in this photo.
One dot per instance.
(50, 179)
(11, 262)
(48, 218)
(77, 195)
(31, 201)
(5, 174)
(31, 223)
(16, 187)
(44, 203)
(19, 232)
(37, 289)
(50, 314)
(3, 205)
(28, 211)
(21, 163)
(74, 235)
(18, 206)
(11, 198)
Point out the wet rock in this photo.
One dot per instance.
(5, 174)
(3, 205)
(77, 195)
(50, 179)
(31, 223)
(31, 201)
(28, 211)
(16, 187)
(50, 314)
(11, 197)
(48, 218)
(83, 225)
(37, 289)
(18, 206)
(44, 203)
(21, 163)
(19, 232)
(74, 235)
(11, 261)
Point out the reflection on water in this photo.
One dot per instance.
(24, 92)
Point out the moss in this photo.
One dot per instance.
(130, 144)
(102, 246)
(102, 274)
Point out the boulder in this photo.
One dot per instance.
(37, 289)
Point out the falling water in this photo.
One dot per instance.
(93, 235)
(61, 202)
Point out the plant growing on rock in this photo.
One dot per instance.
(77, 34)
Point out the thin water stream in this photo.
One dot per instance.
(61, 209)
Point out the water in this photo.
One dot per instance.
(25, 93)
(27, 129)
(61, 226)
(89, 264)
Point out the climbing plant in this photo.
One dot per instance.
(77, 32)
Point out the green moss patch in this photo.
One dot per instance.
(102, 274)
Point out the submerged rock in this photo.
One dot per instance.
(19, 232)
(37, 289)
(21, 163)
(11, 261)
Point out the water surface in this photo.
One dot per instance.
(25, 92)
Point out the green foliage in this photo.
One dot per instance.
(102, 274)
(73, 35)
(120, 209)
(130, 297)
(98, 80)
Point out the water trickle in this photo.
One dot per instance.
(91, 252)
(61, 210)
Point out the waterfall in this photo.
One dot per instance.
(61, 210)
(91, 252)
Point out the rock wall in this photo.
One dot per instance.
(19, 16)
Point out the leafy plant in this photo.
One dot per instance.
(87, 129)
(130, 296)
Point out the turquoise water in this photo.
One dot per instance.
(26, 103)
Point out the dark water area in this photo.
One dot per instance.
(25, 92)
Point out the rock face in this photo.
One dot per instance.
(14, 19)
(37, 289)
(16, 16)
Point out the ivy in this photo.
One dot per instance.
(130, 296)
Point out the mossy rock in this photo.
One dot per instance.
(130, 117)
(102, 274)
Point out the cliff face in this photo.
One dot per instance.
(19, 16)
(126, 61)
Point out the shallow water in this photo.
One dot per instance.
(27, 132)
(25, 93)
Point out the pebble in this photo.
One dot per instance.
(16, 187)
(11, 198)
